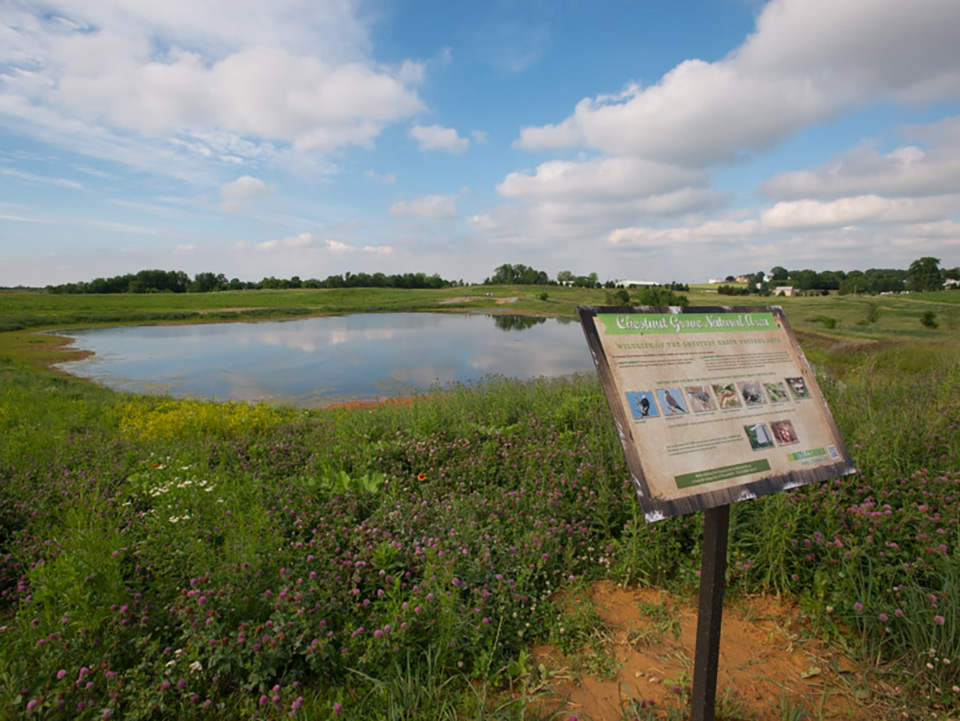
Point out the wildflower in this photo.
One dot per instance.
(421, 476)
(337, 707)
(858, 607)
(195, 667)
(61, 674)
(939, 620)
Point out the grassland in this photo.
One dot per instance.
(182, 559)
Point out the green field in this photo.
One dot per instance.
(183, 559)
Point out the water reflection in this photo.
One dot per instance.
(318, 361)
(517, 322)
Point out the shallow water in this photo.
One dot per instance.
(320, 361)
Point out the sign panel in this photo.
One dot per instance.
(713, 404)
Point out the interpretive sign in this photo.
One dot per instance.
(713, 404)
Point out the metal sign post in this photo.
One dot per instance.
(713, 566)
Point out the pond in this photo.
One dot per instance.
(322, 361)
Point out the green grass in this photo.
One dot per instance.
(399, 561)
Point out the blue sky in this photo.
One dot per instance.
(639, 139)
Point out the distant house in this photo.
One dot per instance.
(785, 290)
(951, 283)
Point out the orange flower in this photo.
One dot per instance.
(421, 476)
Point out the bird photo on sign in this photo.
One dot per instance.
(671, 400)
(642, 404)
(700, 399)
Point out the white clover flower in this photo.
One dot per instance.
(196, 667)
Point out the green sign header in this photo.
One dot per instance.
(665, 323)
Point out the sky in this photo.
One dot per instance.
(638, 139)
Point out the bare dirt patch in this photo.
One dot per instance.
(470, 298)
(640, 664)
(238, 309)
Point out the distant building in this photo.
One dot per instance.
(635, 283)
(784, 290)
(951, 283)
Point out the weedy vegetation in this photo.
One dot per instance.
(184, 559)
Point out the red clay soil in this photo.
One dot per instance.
(766, 666)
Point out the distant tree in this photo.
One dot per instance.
(779, 273)
(732, 290)
(886, 280)
(806, 279)
(207, 282)
(855, 282)
(924, 274)
(519, 274)
(618, 297)
(757, 283)
(660, 295)
(564, 277)
(829, 280)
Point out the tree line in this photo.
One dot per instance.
(924, 274)
(176, 281)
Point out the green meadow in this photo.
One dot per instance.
(185, 559)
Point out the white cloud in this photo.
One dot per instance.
(210, 76)
(242, 192)
(725, 231)
(437, 137)
(573, 202)
(908, 170)
(23, 218)
(35, 179)
(435, 207)
(303, 242)
(378, 249)
(860, 210)
(385, 178)
(602, 178)
(806, 61)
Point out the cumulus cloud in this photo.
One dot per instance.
(617, 177)
(242, 192)
(228, 80)
(806, 61)
(434, 207)
(863, 209)
(908, 170)
(583, 200)
(313, 242)
(437, 137)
